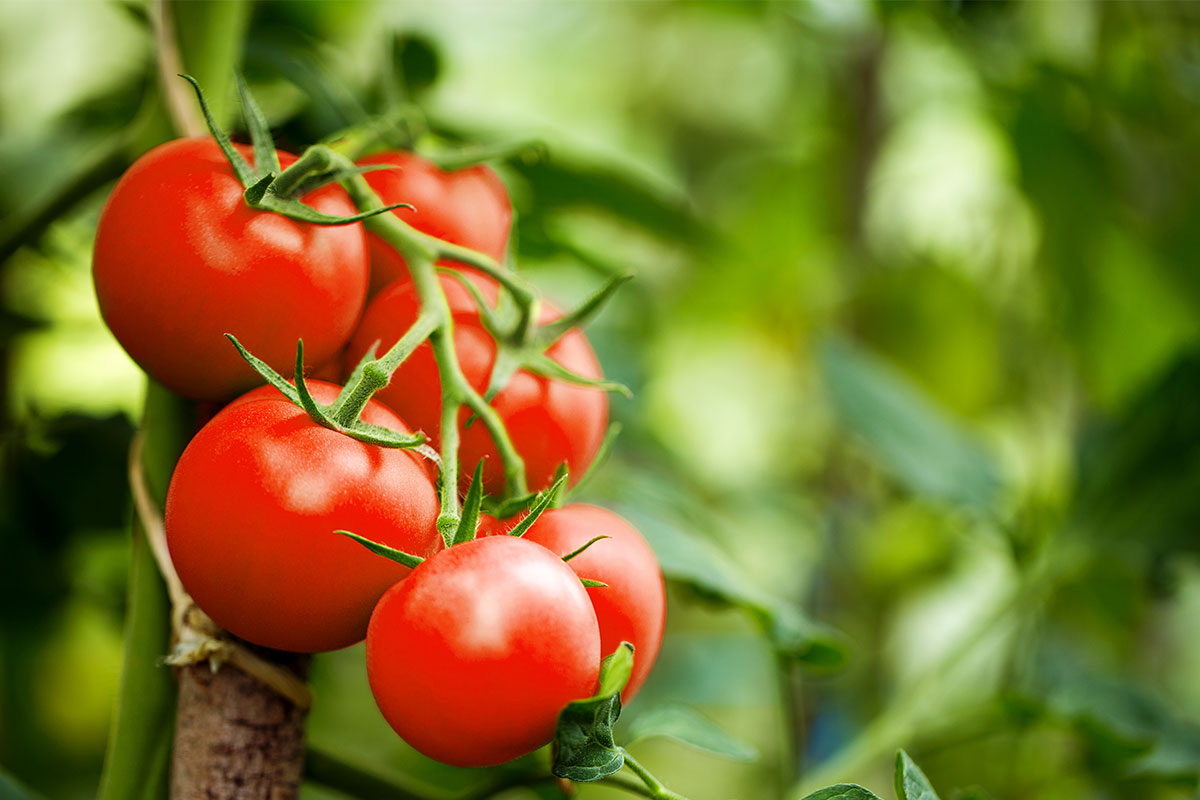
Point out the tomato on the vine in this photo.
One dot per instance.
(251, 512)
(632, 607)
(180, 260)
(467, 207)
(472, 657)
(549, 421)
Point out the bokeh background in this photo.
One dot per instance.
(913, 342)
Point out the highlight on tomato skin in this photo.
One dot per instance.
(467, 207)
(180, 260)
(549, 421)
(632, 607)
(473, 656)
(251, 512)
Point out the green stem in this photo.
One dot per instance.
(377, 373)
(420, 251)
(655, 787)
(313, 160)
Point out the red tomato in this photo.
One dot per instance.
(467, 207)
(472, 657)
(549, 421)
(253, 506)
(633, 606)
(180, 260)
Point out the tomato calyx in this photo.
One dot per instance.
(270, 188)
(342, 415)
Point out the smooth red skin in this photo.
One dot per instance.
(633, 606)
(549, 421)
(467, 207)
(180, 260)
(251, 512)
(474, 655)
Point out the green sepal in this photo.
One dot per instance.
(320, 414)
(583, 547)
(266, 371)
(257, 191)
(843, 791)
(545, 498)
(551, 332)
(610, 438)
(584, 748)
(911, 783)
(319, 179)
(547, 367)
(588, 583)
(472, 504)
(503, 509)
(487, 314)
(294, 209)
(399, 556)
(245, 173)
(266, 157)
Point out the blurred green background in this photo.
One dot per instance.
(913, 343)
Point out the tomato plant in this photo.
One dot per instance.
(472, 657)
(632, 606)
(181, 259)
(251, 511)
(468, 207)
(549, 421)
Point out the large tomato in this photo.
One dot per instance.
(472, 657)
(467, 207)
(251, 512)
(549, 421)
(633, 606)
(180, 260)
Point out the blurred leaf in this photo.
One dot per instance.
(11, 790)
(688, 726)
(910, 436)
(698, 563)
(1138, 474)
(843, 791)
(911, 783)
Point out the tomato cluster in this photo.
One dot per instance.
(472, 649)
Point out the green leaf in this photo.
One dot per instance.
(241, 168)
(911, 783)
(913, 439)
(842, 791)
(553, 331)
(690, 727)
(10, 789)
(583, 547)
(584, 749)
(399, 556)
(700, 564)
(545, 498)
(266, 371)
(266, 158)
(471, 506)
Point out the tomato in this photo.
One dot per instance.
(467, 207)
(633, 606)
(251, 512)
(472, 657)
(549, 421)
(180, 260)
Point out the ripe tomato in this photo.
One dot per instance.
(180, 260)
(633, 606)
(549, 421)
(467, 207)
(472, 657)
(251, 512)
